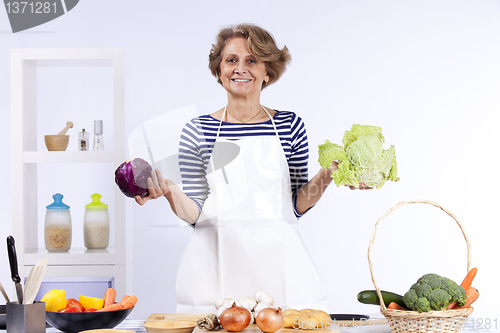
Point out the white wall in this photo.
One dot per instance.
(427, 72)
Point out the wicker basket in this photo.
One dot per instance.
(450, 321)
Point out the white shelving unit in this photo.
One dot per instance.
(25, 158)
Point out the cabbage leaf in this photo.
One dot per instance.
(362, 159)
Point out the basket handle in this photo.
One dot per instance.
(382, 305)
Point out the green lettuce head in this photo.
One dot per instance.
(362, 159)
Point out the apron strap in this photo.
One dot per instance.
(220, 126)
(272, 120)
(224, 114)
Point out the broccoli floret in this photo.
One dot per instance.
(423, 304)
(413, 300)
(439, 299)
(434, 292)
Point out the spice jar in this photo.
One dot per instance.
(57, 226)
(98, 143)
(96, 224)
(83, 140)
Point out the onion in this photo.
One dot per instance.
(269, 320)
(235, 319)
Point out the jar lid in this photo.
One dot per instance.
(97, 126)
(96, 203)
(57, 204)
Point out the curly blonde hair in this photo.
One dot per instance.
(261, 45)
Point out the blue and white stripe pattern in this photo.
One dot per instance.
(198, 137)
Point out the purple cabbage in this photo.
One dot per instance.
(132, 177)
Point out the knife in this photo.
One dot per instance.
(11, 249)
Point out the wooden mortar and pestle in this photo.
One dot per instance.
(60, 141)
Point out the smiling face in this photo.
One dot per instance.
(240, 72)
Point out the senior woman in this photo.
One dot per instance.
(245, 184)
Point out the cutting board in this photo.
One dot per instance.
(176, 316)
(255, 329)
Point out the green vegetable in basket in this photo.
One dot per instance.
(434, 293)
(371, 297)
(362, 159)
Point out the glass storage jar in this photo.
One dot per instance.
(96, 224)
(57, 226)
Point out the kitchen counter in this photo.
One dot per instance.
(136, 325)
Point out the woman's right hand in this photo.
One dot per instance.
(362, 186)
(157, 187)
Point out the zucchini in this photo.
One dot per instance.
(371, 297)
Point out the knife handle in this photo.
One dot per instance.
(11, 249)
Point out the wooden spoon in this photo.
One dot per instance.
(34, 280)
(69, 125)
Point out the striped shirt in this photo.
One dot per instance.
(198, 137)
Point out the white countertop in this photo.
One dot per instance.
(471, 326)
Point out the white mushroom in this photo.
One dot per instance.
(248, 303)
(261, 306)
(223, 301)
(262, 297)
(224, 306)
(219, 303)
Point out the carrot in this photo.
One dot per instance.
(129, 302)
(112, 307)
(466, 283)
(472, 296)
(468, 279)
(395, 306)
(109, 297)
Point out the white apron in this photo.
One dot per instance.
(247, 237)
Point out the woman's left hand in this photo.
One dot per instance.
(362, 186)
(157, 187)
(334, 166)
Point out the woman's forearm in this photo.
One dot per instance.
(310, 193)
(182, 205)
